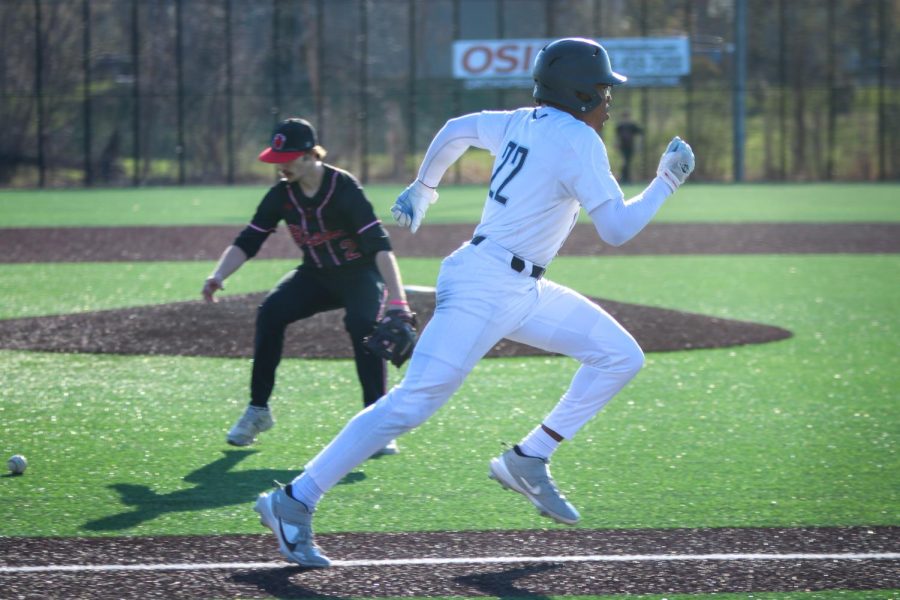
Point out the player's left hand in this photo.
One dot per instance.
(676, 163)
(212, 285)
(394, 337)
(409, 209)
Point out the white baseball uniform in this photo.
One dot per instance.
(548, 166)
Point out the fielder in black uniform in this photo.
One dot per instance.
(347, 263)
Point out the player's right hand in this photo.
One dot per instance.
(210, 287)
(409, 209)
(676, 163)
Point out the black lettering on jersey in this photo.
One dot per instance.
(514, 156)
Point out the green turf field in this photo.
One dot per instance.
(801, 432)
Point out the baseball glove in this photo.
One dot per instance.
(394, 337)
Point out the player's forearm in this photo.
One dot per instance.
(451, 142)
(619, 220)
(386, 263)
(231, 260)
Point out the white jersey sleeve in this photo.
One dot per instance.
(492, 127)
(451, 142)
(588, 176)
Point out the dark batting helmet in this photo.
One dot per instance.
(572, 67)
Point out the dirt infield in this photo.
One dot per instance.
(505, 564)
(89, 244)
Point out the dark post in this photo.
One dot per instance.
(689, 80)
(86, 98)
(783, 84)
(645, 98)
(363, 115)
(457, 95)
(882, 96)
(320, 67)
(276, 79)
(549, 17)
(39, 91)
(739, 90)
(831, 78)
(411, 91)
(501, 34)
(136, 93)
(179, 69)
(229, 94)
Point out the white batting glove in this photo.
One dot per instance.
(676, 163)
(411, 204)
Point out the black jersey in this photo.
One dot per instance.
(337, 226)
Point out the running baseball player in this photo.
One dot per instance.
(347, 263)
(550, 163)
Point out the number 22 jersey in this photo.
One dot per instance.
(548, 165)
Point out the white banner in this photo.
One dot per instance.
(508, 63)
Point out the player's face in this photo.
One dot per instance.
(297, 168)
(600, 115)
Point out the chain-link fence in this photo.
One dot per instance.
(141, 92)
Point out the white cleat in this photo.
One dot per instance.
(291, 522)
(530, 476)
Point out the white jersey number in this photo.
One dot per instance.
(514, 158)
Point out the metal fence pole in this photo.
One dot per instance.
(179, 70)
(364, 88)
(39, 92)
(689, 80)
(830, 77)
(86, 94)
(740, 81)
(411, 90)
(136, 93)
(229, 94)
(457, 95)
(882, 96)
(783, 83)
(320, 68)
(275, 64)
(501, 34)
(644, 93)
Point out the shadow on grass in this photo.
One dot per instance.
(216, 486)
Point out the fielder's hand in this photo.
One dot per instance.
(394, 337)
(411, 204)
(212, 285)
(676, 164)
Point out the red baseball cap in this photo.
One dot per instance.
(291, 139)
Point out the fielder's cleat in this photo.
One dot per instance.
(291, 522)
(530, 476)
(389, 449)
(255, 420)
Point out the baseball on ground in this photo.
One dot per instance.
(17, 464)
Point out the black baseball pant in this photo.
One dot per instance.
(304, 292)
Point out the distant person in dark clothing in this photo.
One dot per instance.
(626, 140)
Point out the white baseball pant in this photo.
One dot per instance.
(480, 300)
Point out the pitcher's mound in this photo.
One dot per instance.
(226, 329)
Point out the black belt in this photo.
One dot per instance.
(516, 263)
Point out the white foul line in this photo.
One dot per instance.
(458, 561)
